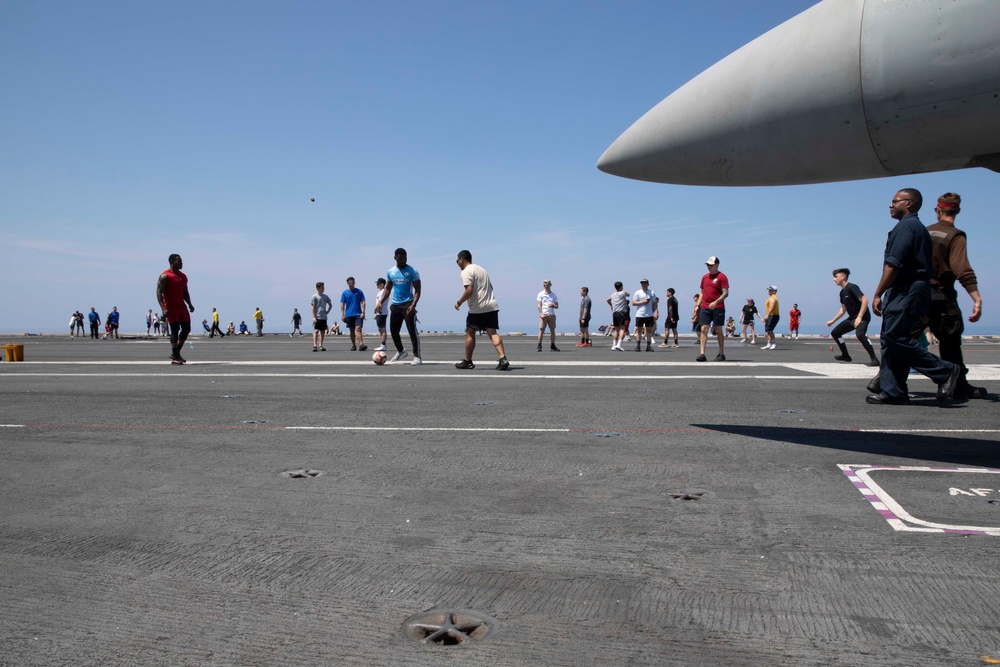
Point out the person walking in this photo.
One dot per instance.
(905, 285)
(950, 263)
(296, 322)
(794, 315)
(215, 325)
(352, 313)
(854, 303)
(670, 323)
(747, 315)
(548, 302)
(712, 308)
(484, 313)
(172, 295)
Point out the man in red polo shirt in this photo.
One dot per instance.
(712, 307)
(172, 294)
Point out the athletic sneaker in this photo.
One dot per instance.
(465, 363)
(720, 357)
(416, 362)
(843, 357)
(322, 349)
(581, 344)
(539, 348)
(590, 343)
(873, 362)
(675, 345)
(181, 359)
(381, 348)
(354, 348)
(701, 357)
(315, 349)
(774, 346)
(553, 348)
(176, 362)
(766, 347)
(503, 364)
(399, 356)
(362, 348)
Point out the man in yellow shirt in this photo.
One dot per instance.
(770, 317)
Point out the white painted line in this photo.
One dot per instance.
(928, 430)
(427, 428)
(418, 376)
(11, 425)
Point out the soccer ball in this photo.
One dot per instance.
(378, 358)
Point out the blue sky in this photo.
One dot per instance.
(132, 130)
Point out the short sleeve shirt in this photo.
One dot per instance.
(482, 300)
(352, 302)
(850, 297)
(402, 280)
(645, 310)
(619, 302)
(321, 305)
(711, 288)
(585, 304)
(548, 299)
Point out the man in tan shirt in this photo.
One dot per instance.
(951, 264)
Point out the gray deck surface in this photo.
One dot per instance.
(144, 519)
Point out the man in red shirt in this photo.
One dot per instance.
(712, 307)
(172, 294)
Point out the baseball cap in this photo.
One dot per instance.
(712, 260)
(644, 281)
(772, 288)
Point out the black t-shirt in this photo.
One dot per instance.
(748, 313)
(850, 296)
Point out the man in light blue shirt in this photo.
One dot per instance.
(405, 281)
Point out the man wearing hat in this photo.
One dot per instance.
(951, 265)
(712, 308)
(771, 317)
(647, 311)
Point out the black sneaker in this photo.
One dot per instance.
(354, 348)
(465, 363)
(720, 357)
(975, 392)
(638, 348)
(701, 357)
(362, 348)
(503, 364)
(843, 357)
(539, 348)
(176, 362)
(181, 359)
(947, 388)
(553, 348)
(873, 363)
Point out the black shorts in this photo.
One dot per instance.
(380, 321)
(619, 318)
(354, 321)
(712, 317)
(483, 321)
(585, 321)
(770, 323)
(320, 325)
(647, 322)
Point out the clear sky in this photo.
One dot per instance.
(132, 130)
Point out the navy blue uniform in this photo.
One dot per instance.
(904, 310)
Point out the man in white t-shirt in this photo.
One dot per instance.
(647, 311)
(547, 304)
(484, 313)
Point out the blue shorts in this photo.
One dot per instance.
(770, 323)
(709, 316)
(354, 321)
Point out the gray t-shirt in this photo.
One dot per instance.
(321, 305)
(585, 307)
(620, 302)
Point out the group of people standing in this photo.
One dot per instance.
(110, 324)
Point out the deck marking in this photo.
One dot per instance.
(894, 513)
